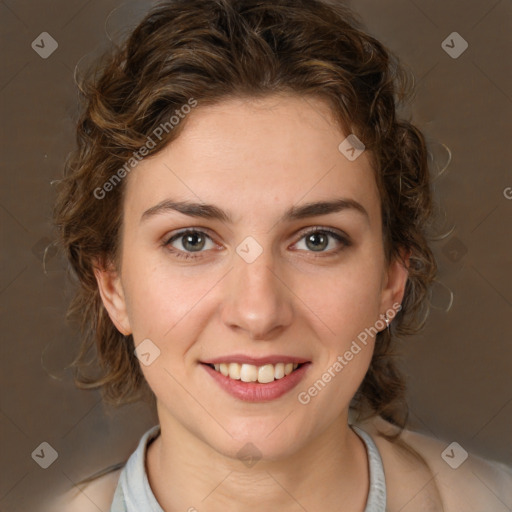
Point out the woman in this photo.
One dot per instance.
(248, 220)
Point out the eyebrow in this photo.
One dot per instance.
(210, 211)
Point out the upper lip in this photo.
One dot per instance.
(256, 361)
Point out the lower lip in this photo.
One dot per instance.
(255, 391)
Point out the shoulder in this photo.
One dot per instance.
(426, 474)
(97, 494)
(90, 497)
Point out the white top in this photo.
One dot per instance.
(133, 492)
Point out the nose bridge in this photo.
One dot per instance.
(256, 299)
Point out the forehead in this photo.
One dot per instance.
(249, 155)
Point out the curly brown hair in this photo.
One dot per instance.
(212, 50)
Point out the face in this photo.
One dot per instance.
(264, 277)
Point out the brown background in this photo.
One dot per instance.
(460, 367)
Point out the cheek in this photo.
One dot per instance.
(165, 299)
(348, 299)
(154, 300)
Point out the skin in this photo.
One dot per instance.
(255, 159)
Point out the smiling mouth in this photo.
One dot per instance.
(250, 373)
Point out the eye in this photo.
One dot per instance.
(317, 240)
(191, 241)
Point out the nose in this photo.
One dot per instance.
(258, 301)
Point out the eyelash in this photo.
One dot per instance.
(188, 256)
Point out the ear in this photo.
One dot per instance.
(395, 279)
(112, 295)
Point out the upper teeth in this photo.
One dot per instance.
(250, 373)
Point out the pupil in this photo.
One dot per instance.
(313, 236)
(189, 239)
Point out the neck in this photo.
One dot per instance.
(185, 473)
